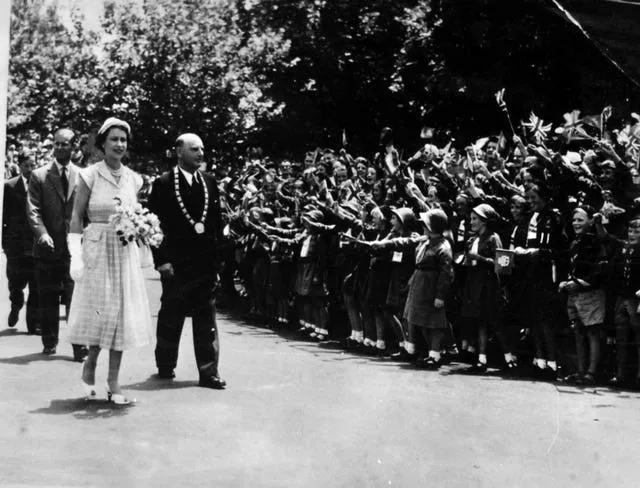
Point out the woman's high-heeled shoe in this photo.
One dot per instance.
(118, 398)
(90, 393)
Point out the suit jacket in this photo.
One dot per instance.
(17, 238)
(49, 210)
(182, 246)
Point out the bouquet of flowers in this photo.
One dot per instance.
(133, 223)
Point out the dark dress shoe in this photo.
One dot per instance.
(478, 368)
(49, 351)
(166, 374)
(619, 382)
(402, 356)
(13, 317)
(428, 363)
(213, 382)
(80, 353)
(549, 374)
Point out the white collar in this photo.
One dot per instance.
(68, 166)
(189, 176)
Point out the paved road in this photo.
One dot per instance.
(297, 415)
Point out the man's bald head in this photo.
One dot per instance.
(190, 151)
(187, 138)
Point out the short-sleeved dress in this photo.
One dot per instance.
(109, 308)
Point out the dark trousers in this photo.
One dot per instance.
(53, 282)
(184, 295)
(20, 274)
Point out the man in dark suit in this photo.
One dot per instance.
(17, 244)
(187, 204)
(52, 191)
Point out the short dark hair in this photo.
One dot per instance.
(24, 154)
(102, 137)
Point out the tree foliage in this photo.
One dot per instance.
(53, 69)
(289, 75)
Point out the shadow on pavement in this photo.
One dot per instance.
(12, 332)
(83, 409)
(153, 383)
(33, 357)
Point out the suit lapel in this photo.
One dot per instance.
(54, 178)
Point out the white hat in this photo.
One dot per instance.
(113, 121)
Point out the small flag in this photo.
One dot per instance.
(573, 129)
(504, 262)
(500, 99)
(537, 128)
(391, 159)
(426, 133)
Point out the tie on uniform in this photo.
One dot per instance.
(65, 182)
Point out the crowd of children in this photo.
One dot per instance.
(422, 258)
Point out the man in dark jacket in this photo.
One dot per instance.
(187, 203)
(17, 244)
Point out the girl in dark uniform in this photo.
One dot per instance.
(377, 284)
(545, 255)
(403, 223)
(482, 295)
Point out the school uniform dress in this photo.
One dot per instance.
(110, 307)
(311, 279)
(431, 279)
(402, 266)
(624, 279)
(378, 278)
(517, 285)
(482, 294)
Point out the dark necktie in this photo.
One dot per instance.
(65, 182)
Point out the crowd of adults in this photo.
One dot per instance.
(443, 255)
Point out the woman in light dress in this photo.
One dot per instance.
(109, 308)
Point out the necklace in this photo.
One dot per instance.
(114, 172)
(197, 226)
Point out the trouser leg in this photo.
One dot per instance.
(169, 329)
(206, 342)
(33, 303)
(17, 280)
(49, 276)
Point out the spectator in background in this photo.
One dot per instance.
(17, 244)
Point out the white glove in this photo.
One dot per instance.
(76, 270)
